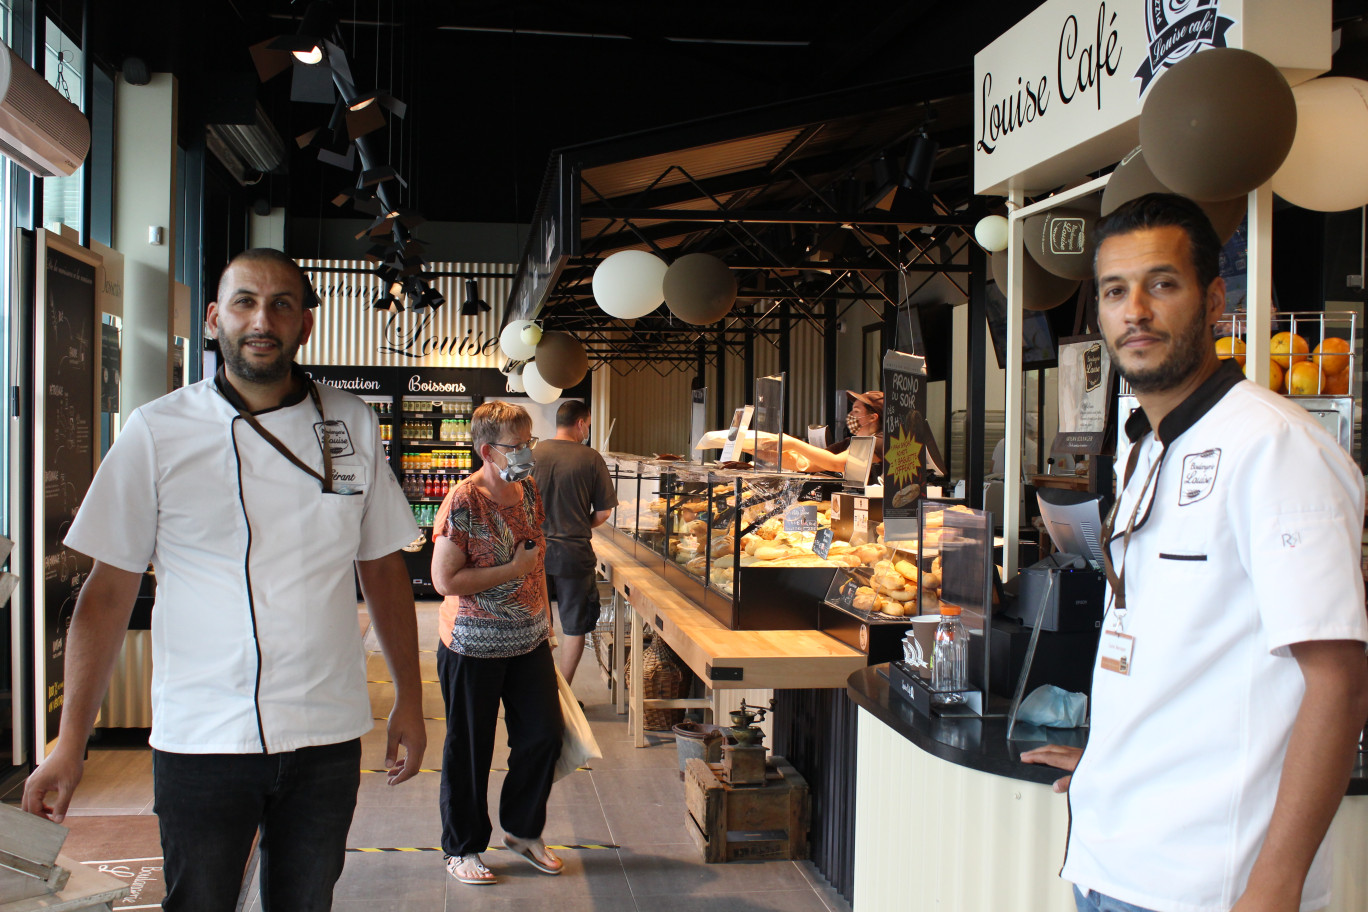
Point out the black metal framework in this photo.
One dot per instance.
(807, 203)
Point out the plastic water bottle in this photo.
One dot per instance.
(950, 658)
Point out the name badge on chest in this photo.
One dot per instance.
(1116, 650)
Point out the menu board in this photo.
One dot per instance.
(66, 394)
(904, 442)
(1084, 395)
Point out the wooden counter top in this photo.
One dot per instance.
(768, 659)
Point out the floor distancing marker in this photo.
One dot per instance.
(376, 849)
(492, 769)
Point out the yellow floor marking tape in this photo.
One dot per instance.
(490, 849)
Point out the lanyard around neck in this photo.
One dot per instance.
(283, 450)
(1117, 579)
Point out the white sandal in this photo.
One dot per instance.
(482, 875)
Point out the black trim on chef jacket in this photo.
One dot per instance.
(294, 397)
(1188, 412)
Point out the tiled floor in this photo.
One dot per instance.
(632, 801)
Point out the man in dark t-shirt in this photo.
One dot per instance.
(578, 494)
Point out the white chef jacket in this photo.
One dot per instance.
(256, 645)
(1251, 544)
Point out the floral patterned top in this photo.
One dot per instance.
(508, 619)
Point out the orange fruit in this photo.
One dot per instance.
(1333, 354)
(1275, 375)
(1304, 379)
(1288, 348)
(1231, 347)
(1336, 384)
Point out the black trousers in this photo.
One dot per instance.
(472, 690)
(209, 806)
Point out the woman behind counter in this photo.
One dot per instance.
(490, 558)
(865, 419)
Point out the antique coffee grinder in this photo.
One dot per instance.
(743, 756)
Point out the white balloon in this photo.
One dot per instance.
(537, 388)
(627, 284)
(531, 335)
(511, 341)
(991, 233)
(1325, 169)
(515, 383)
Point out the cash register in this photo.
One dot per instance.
(1063, 593)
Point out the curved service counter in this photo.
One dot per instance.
(947, 816)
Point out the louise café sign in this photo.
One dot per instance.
(1060, 94)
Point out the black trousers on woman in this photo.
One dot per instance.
(472, 690)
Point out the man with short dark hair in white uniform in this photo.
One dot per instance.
(253, 494)
(1231, 685)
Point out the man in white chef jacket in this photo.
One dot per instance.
(252, 494)
(1231, 685)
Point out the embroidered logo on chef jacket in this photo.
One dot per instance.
(334, 432)
(1199, 476)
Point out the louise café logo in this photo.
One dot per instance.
(1177, 29)
(1088, 51)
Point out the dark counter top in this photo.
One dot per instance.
(982, 744)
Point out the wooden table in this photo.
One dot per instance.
(722, 658)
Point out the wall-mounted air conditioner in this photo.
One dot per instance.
(39, 129)
(247, 150)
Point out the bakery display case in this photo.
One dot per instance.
(753, 549)
(636, 480)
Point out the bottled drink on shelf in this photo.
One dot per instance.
(950, 658)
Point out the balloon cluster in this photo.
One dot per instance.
(698, 288)
(561, 361)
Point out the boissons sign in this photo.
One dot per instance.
(1060, 94)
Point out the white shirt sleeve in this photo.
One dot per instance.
(1301, 509)
(388, 523)
(117, 521)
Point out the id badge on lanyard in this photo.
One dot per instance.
(1116, 648)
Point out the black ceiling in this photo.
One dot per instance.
(494, 86)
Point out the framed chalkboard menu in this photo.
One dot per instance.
(68, 355)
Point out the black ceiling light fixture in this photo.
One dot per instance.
(307, 45)
(323, 74)
(473, 305)
(921, 161)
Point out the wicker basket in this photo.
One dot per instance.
(662, 678)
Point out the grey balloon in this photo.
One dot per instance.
(561, 359)
(699, 289)
(1218, 124)
(1133, 178)
(1061, 240)
(1041, 290)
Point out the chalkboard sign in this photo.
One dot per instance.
(67, 339)
(821, 545)
(801, 518)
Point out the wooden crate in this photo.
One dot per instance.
(748, 823)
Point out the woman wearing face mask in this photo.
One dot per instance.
(495, 650)
(865, 419)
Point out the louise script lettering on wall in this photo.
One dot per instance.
(418, 341)
(1082, 62)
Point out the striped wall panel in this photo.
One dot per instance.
(348, 331)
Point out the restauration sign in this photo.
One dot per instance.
(1060, 94)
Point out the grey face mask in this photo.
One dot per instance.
(518, 464)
